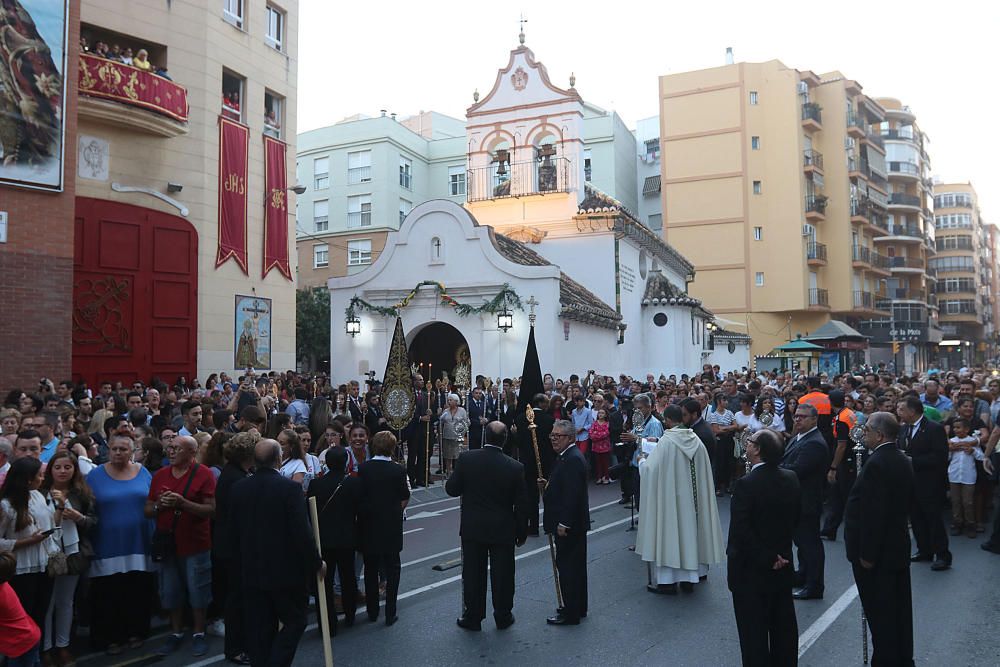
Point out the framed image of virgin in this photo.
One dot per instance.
(252, 344)
(32, 92)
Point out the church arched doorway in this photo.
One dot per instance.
(443, 349)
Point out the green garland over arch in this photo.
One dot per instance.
(505, 298)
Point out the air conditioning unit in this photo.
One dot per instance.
(849, 144)
(808, 230)
(803, 87)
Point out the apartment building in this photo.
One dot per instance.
(965, 273)
(364, 174)
(907, 240)
(647, 143)
(775, 185)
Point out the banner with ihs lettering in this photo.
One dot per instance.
(275, 208)
(234, 146)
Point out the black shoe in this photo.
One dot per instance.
(239, 659)
(804, 594)
(831, 537)
(391, 620)
(921, 558)
(941, 564)
(662, 589)
(703, 577)
(989, 546)
(505, 622)
(469, 624)
(687, 587)
(562, 620)
(623, 501)
(372, 617)
(416, 485)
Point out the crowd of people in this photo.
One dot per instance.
(138, 59)
(121, 501)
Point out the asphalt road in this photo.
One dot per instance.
(955, 612)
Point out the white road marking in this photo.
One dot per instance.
(415, 530)
(823, 623)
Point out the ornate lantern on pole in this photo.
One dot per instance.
(353, 325)
(505, 320)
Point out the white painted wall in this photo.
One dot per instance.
(727, 361)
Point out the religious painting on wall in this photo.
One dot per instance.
(32, 92)
(253, 333)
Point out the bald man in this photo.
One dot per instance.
(274, 548)
(182, 500)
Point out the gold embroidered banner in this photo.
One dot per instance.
(234, 145)
(275, 208)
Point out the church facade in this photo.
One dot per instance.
(536, 238)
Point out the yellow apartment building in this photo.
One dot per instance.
(775, 184)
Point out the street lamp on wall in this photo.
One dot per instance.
(505, 320)
(353, 325)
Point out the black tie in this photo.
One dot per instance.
(907, 438)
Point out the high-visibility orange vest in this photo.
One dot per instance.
(820, 401)
(848, 417)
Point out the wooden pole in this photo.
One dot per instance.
(324, 618)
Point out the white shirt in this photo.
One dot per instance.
(34, 558)
(756, 465)
(382, 458)
(962, 465)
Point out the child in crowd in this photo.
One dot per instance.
(600, 442)
(963, 453)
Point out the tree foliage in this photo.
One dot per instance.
(312, 326)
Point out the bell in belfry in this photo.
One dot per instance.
(397, 396)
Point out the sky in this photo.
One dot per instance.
(939, 59)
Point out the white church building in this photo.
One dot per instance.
(605, 292)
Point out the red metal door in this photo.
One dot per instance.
(135, 294)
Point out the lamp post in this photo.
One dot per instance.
(505, 320)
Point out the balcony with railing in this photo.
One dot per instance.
(907, 264)
(955, 243)
(897, 199)
(521, 179)
(819, 298)
(904, 169)
(855, 124)
(902, 232)
(865, 302)
(900, 134)
(812, 116)
(815, 207)
(812, 160)
(874, 140)
(121, 94)
(816, 253)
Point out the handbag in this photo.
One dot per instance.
(164, 544)
(57, 565)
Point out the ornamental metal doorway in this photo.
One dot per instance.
(439, 350)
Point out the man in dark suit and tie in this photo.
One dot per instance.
(277, 555)
(878, 542)
(494, 500)
(354, 402)
(476, 408)
(384, 495)
(337, 496)
(419, 434)
(567, 517)
(926, 443)
(808, 456)
(764, 514)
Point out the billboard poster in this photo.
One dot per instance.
(252, 344)
(32, 92)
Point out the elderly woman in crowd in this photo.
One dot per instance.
(454, 425)
(73, 502)
(26, 523)
(10, 419)
(122, 584)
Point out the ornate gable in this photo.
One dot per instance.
(522, 82)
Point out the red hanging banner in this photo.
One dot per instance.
(234, 146)
(275, 208)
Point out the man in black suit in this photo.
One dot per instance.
(384, 495)
(926, 443)
(567, 517)
(878, 542)
(419, 433)
(494, 499)
(807, 455)
(337, 498)
(691, 416)
(526, 454)
(476, 408)
(275, 550)
(764, 514)
(354, 402)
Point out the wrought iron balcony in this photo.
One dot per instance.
(903, 199)
(875, 139)
(906, 262)
(521, 179)
(864, 301)
(812, 158)
(816, 252)
(816, 204)
(812, 113)
(819, 297)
